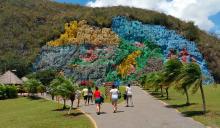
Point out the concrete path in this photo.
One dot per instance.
(146, 113)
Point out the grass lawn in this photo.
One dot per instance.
(212, 93)
(28, 113)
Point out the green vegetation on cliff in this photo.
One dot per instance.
(26, 25)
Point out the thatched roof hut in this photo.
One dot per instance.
(24, 79)
(10, 78)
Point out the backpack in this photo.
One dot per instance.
(119, 95)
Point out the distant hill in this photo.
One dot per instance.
(26, 25)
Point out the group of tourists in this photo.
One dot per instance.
(90, 96)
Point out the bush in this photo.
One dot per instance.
(8, 92)
(11, 92)
(21, 89)
(2, 92)
(32, 85)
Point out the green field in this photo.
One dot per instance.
(40, 113)
(212, 93)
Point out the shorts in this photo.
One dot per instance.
(89, 97)
(77, 97)
(114, 100)
(85, 97)
(98, 100)
(129, 96)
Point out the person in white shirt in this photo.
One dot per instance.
(78, 96)
(114, 98)
(129, 95)
(85, 92)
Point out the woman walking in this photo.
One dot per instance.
(90, 94)
(78, 96)
(97, 96)
(114, 98)
(129, 95)
(85, 92)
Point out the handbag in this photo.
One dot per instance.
(125, 96)
(102, 99)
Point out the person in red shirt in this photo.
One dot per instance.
(97, 96)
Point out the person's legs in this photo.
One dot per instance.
(88, 99)
(78, 102)
(85, 99)
(113, 105)
(131, 100)
(127, 98)
(91, 99)
(97, 108)
(116, 105)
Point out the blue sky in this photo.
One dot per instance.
(216, 20)
(205, 14)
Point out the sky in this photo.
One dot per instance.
(204, 13)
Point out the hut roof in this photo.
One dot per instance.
(10, 78)
(24, 79)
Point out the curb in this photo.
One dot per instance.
(90, 117)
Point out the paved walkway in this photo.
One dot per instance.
(147, 113)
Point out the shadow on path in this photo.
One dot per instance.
(192, 113)
(74, 114)
(61, 109)
(180, 105)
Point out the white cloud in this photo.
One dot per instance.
(188, 10)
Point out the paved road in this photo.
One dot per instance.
(147, 113)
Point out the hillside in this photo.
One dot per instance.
(26, 25)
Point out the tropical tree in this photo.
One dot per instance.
(155, 80)
(191, 76)
(53, 88)
(31, 86)
(65, 88)
(172, 69)
(70, 90)
(41, 89)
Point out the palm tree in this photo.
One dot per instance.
(41, 89)
(31, 86)
(70, 88)
(65, 88)
(55, 88)
(172, 69)
(191, 76)
(155, 80)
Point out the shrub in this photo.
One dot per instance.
(32, 86)
(2, 92)
(11, 92)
